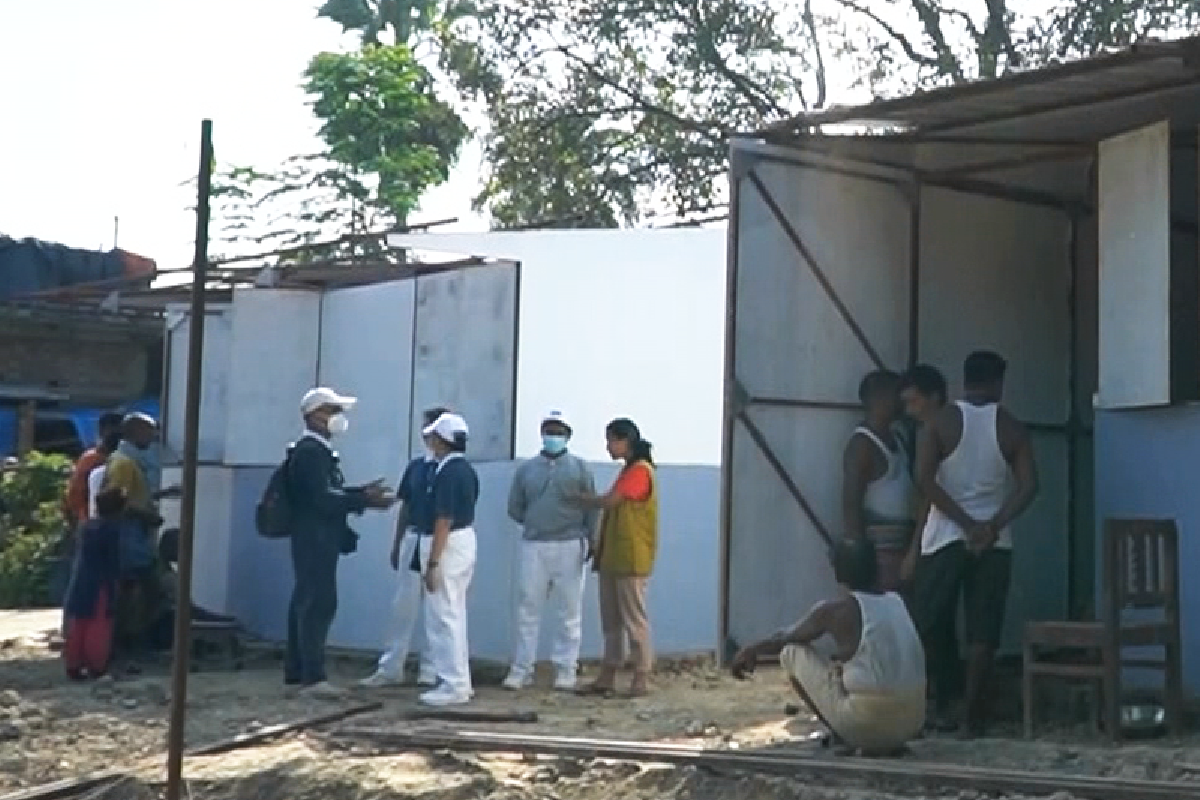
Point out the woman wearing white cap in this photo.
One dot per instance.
(448, 561)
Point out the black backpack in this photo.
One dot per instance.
(273, 516)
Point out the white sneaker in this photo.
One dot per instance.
(380, 680)
(565, 680)
(445, 695)
(323, 691)
(516, 681)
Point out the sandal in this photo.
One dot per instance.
(597, 689)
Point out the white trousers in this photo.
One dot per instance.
(446, 609)
(553, 570)
(406, 608)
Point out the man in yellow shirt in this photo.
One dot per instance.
(133, 470)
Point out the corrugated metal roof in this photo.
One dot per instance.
(1161, 69)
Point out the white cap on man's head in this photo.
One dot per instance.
(323, 396)
(142, 417)
(559, 417)
(447, 427)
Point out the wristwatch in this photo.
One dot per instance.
(431, 564)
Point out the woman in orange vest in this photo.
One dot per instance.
(624, 559)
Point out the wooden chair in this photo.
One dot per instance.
(1140, 608)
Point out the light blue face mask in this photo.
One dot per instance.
(554, 445)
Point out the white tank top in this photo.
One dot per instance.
(890, 498)
(975, 475)
(889, 657)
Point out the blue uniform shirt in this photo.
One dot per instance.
(414, 491)
(454, 491)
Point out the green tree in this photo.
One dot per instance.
(404, 19)
(613, 111)
(33, 528)
(387, 139)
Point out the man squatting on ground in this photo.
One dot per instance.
(557, 541)
(975, 465)
(871, 693)
(414, 520)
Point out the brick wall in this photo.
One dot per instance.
(87, 362)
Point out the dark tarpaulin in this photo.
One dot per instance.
(30, 266)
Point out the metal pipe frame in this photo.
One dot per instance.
(182, 643)
(876, 774)
(738, 401)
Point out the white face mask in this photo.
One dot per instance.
(338, 424)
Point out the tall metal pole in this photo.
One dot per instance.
(187, 512)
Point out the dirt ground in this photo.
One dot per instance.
(51, 729)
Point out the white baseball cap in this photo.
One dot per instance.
(447, 427)
(322, 396)
(559, 417)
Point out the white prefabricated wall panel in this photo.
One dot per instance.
(996, 275)
(792, 344)
(683, 590)
(648, 305)
(276, 335)
(366, 351)
(791, 341)
(218, 337)
(214, 533)
(465, 352)
(1135, 268)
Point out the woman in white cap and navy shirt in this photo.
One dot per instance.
(448, 561)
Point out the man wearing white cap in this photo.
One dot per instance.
(447, 560)
(319, 535)
(558, 537)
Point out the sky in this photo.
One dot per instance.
(103, 104)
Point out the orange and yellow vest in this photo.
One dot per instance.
(629, 534)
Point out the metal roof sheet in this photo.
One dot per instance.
(1166, 70)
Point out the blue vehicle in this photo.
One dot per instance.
(67, 430)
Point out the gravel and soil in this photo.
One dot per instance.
(51, 729)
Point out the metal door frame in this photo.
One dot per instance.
(744, 156)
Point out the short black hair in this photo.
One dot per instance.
(431, 415)
(854, 564)
(459, 443)
(110, 503)
(983, 368)
(926, 379)
(109, 421)
(873, 383)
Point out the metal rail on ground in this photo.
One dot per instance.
(877, 774)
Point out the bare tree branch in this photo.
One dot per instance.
(906, 45)
(810, 22)
(759, 97)
(704, 129)
(946, 62)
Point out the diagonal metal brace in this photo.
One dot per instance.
(817, 272)
(781, 471)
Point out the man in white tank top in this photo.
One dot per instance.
(877, 486)
(871, 694)
(975, 465)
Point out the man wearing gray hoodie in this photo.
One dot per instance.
(557, 542)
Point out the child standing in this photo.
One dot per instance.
(91, 596)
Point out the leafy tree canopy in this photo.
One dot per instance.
(607, 112)
(387, 139)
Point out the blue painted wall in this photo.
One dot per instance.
(1148, 465)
